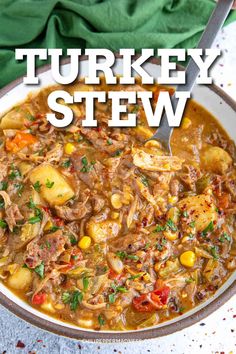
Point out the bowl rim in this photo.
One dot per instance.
(126, 336)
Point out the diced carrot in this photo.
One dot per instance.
(20, 141)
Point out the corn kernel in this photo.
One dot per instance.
(127, 197)
(48, 225)
(156, 267)
(146, 277)
(144, 132)
(153, 144)
(12, 268)
(69, 148)
(172, 199)
(170, 235)
(116, 201)
(85, 242)
(114, 215)
(188, 258)
(59, 306)
(184, 294)
(186, 123)
(185, 239)
(47, 306)
(173, 214)
(139, 266)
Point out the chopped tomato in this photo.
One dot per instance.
(20, 141)
(47, 209)
(154, 300)
(58, 221)
(39, 299)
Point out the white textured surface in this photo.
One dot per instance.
(216, 334)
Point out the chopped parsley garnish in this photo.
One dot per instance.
(136, 276)
(37, 186)
(14, 173)
(84, 161)
(66, 297)
(101, 320)
(117, 153)
(40, 270)
(3, 185)
(34, 220)
(31, 203)
(144, 181)
(159, 228)
(189, 280)
(66, 163)
(54, 228)
(116, 289)
(132, 256)
(185, 214)
(224, 237)
(73, 298)
(48, 245)
(20, 188)
(161, 243)
(3, 224)
(214, 252)
(170, 224)
(109, 142)
(123, 255)
(192, 224)
(112, 298)
(30, 117)
(2, 203)
(86, 166)
(85, 283)
(73, 240)
(209, 228)
(49, 184)
(79, 139)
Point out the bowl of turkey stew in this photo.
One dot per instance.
(102, 236)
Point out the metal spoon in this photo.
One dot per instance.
(216, 21)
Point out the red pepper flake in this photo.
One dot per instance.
(39, 341)
(234, 316)
(20, 344)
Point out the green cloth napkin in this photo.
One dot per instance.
(111, 24)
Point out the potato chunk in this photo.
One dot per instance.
(201, 208)
(216, 160)
(155, 162)
(12, 120)
(101, 231)
(54, 187)
(21, 279)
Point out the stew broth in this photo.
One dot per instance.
(100, 228)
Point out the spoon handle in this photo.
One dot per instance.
(216, 21)
(213, 27)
